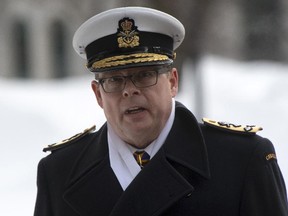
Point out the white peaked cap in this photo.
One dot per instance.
(128, 37)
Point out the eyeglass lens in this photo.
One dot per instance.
(140, 79)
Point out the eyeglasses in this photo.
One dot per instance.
(141, 79)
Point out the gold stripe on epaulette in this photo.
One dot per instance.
(65, 141)
(233, 127)
(271, 156)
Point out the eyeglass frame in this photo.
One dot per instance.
(158, 70)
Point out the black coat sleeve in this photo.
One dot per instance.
(264, 188)
(42, 206)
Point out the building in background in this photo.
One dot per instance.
(36, 35)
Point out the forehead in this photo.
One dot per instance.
(126, 71)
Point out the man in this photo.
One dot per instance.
(152, 157)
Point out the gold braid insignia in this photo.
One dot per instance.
(128, 59)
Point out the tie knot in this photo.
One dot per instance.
(141, 157)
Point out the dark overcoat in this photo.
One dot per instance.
(199, 171)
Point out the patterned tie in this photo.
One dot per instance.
(141, 157)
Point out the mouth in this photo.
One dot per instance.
(134, 110)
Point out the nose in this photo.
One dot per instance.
(130, 89)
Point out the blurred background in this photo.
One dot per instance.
(232, 63)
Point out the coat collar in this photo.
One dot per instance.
(156, 187)
(185, 143)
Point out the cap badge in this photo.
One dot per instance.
(127, 33)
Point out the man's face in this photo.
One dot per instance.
(138, 115)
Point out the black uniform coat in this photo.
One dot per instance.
(199, 171)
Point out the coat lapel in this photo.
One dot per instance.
(153, 190)
(87, 192)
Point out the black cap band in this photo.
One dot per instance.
(149, 43)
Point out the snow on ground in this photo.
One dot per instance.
(36, 113)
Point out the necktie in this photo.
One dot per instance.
(141, 157)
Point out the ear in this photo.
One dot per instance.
(96, 89)
(173, 79)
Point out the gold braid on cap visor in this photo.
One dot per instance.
(128, 59)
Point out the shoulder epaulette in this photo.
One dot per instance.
(244, 129)
(65, 142)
